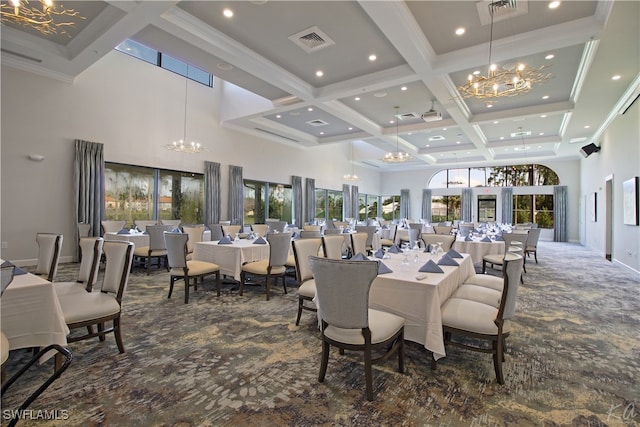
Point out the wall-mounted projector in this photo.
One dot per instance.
(431, 116)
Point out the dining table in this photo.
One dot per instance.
(31, 314)
(417, 297)
(141, 239)
(478, 247)
(231, 257)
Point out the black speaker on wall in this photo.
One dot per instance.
(589, 149)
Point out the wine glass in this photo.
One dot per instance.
(405, 259)
(439, 250)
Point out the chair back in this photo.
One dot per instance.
(7, 271)
(414, 235)
(332, 245)
(312, 227)
(310, 234)
(91, 248)
(175, 223)
(261, 229)
(176, 244)
(195, 234)
(512, 267)
(442, 229)
(338, 224)
(342, 289)
(230, 230)
(513, 241)
(112, 226)
(279, 245)
(119, 256)
(416, 225)
(329, 231)
(141, 224)
(359, 243)
(277, 226)
(216, 231)
(370, 230)
(465, 229)
(302, 250)
(533, 237)
(84, 229)
(49, 248)
(430, 239)
(156, 236)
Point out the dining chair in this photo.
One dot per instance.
(91, 250)
(273, 267)
(310, 234)
(332, 246)
(478, 322)
(109, 226)
(89, 309)
(175, 223)
(513, 243)
(141, 224)
(157, 247)
(328, 231)
(261, 229)
(277, 226)
(342, 292)
(370, 230)
(84, 230)
(531, 246)
(431, 238)
(358, 243)
(302, 250)
(465, 229)
(49, 249)
(312, 227)
(442, 229)
(231, 230)
(181, 268)
(393, 228)
(216, 232)
(195, 233)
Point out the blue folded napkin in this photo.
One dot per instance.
(379, 253)
(486, 239)
(383, 269)
(394, 249)
(384, 227)
(499, 238)
(447, 260)
(468, 239)
(226, 240)
(454, 254)
(176, 230)
(430, 267)
(258, 241)
(359, 257)
(123, 231)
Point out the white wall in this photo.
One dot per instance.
(619, 158)
(134, 108)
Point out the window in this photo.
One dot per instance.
(329, 204)
(536, 208)
(367, 207)
(445, 208)
(136, 192)
(499, 176)
(165, 61)
(391, 207)
(279, 205)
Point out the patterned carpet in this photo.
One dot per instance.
(573, 359)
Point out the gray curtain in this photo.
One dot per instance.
(236, 195)
(296, 184)
(426, 204)
(355, 203)
(560, 213)
(211, 193)
(89, 185)
(467, 204)
(507, 205)
(346, 201)
(404, 203)
(310, 200)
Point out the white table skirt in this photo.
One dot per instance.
(230, 257)
(31, 314)
(478, 249)
(418, 301)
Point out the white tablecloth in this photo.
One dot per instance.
(418, 301)
(140, 239)
(31, 314)
(230, 257)
(478, 249)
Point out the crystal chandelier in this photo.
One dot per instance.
(511, 80)
(351, 176)
(44, 18)
(397, 156)
(182, 145)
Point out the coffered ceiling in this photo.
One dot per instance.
(274, 50)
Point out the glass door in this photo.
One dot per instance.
(486, 208)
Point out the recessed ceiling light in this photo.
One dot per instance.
(587, 127)
(506, 149)
(502, 137)
(468, 152)
(321, 133)
(543, 116)
(539, 146)
(428, 145)
(476, 72)
(444, 129)
(357, 98)
(489, 105)
(460, 31)
(495, 122)
(319, 73)
(391, 121)
(350, 128)
(554, 4)
(457, 142)
(616, 77)
(278, 116)
(403, 88)
(541, 133)
(228, 13)
(310, 109)
(550, 56)
(545, 97)
(372, 57)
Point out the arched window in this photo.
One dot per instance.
(495, 176)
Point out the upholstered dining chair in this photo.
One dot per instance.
(88, 309)
(513, 243)
(370, 230)
(332, 245)
(181, 268)
(231, 230)
(531, 247)
(342, 292)
(195, 233)
(216, 232)
(49, 249)
(277, 226)
(442, 229)
(84, 230)
(91, 249)
(358, 243)
(261, 229)
(310, 234)
(157, 247)
(109, 226)
(478, 322)
(302, 250)
(393, 228)
(273, 267)
(141, 224)
(431, 238)
(175, 223)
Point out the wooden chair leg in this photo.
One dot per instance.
(300, 302)
(172, 281)
(118, 334)
(218, 283)
(325, 361)
(186, 289)
(368, 373)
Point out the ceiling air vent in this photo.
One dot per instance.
(501, 10)
(436, 138)
(312, 39)
(408, 116)
(520, 133)
(317, 122)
